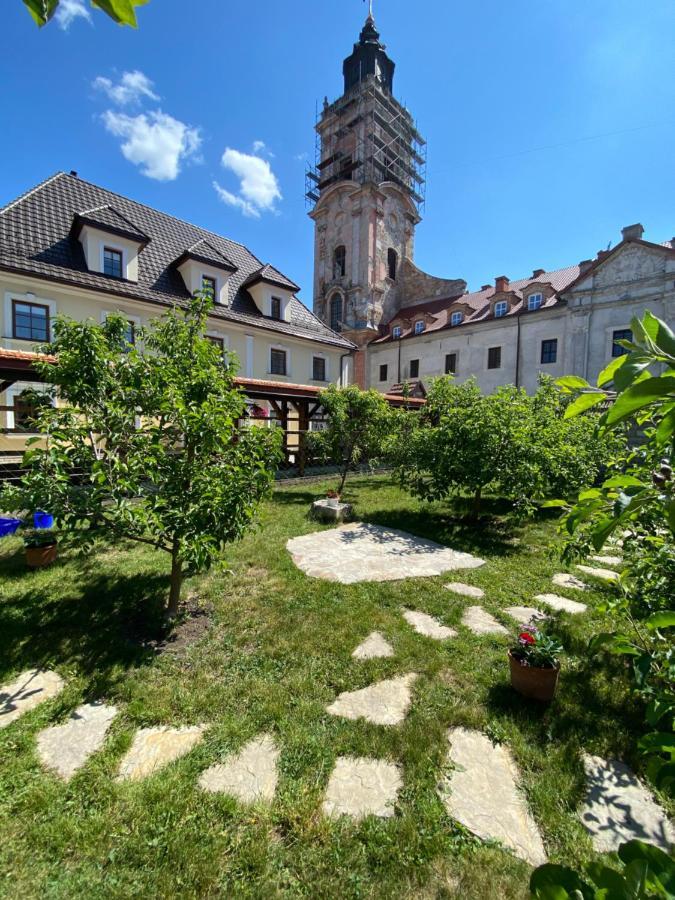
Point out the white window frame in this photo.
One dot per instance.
(326, 371)
(396, 332)
(216, 286)
(456, 318)
(109, 245)
(284, 349)
(420, 325)
(13, 391)
(28, 297)
(501, 304)
(450, 353)
(212, 333)
(530, 306)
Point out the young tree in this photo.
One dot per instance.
(121, 11)
(356, 426)
(145, 443)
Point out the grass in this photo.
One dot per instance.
(278, 652)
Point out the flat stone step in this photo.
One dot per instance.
(555, 601)
(563, 579)
(428, 626)
(249, 775)
(466, 590)
(618, 808)
(608, 560)
(31, 688)
(525, 614)
(482, 793)
(66, 748)
(481, 622)
(362, 787)
(602, 574)
(154, 748)
(374, 646)
(383, 703)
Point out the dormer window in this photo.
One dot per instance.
(113, 263)
(275, 307)
(396, 332)
(209, 286)
(501, 309)
(419, 327)
(456, 318)
(534, 301)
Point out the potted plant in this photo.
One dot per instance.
(534, 664)
(333, 498)
(41, 547)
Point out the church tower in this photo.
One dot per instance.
(366, 191)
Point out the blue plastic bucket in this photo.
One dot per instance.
(42, 519)
(8, 526)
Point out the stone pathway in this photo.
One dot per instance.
(362, 552)
(362, 787)
(619, 808)
(383, 703)
(602, 574)
(66, 748)
(466, 590)
(428, 626)
(374, 647)
(249, 775)
(481, 793)
(555, 601)
(26, 692)
(562, 579)
(481, 622)
(608, 560)
(154, 748)
(525, 614)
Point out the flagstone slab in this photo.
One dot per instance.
(482, 793)
(363, 552)
(466, 590)
(555, 601)
(525, 614)
(362, 787)
(26, 692)
(602, 574)
(480, 621)
(66, 748)
(618, 808)
(249, 775)
(563, 579)
(608, 560)
(375, 646)
(383, 703)
(428, 626)
(154, 748)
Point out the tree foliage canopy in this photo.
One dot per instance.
(121, 11)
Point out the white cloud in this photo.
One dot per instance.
(69, 10)
(258, 185)
(156, 142)
(131, 88)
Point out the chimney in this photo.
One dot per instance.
(585, 265)
(632, 232)
(501, 283)
(538, 272)
(485, 287)
(602, 254)
(73, 173)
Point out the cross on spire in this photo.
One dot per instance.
(370, 8)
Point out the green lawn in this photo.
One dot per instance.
(278, 652)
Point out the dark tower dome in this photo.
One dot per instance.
(369, 58)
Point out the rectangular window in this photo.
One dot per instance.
(456, 318)
(495, 358)
(383, 373)
(275, 308)
(130, 332)
(501, 309)
(450, 363)
(218, 341)
(278, 362)
(209, 286)
(396, 332)
(534, 301)
(414, 368)
(27, 406)
(112, 262)
(623, 334)
(419, 327)
(549, 351)
(30, 321)
(318, 368)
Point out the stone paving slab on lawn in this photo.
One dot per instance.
(466, 590)
(479, 621)
(602, 574)
(555, 601)
(66, 748)
(362, 552)
(383, 703)
(525, 614)
(427, 625)
(608, 560)
(249, 775)
(619, 808)
(26, 692)
(375, 646)
(154, 748)
(362, 787)
(562, 579)
(482, 793)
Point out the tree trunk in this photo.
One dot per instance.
(475, 511)
(176, 584)
(344, 478)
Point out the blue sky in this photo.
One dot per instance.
(550, 125)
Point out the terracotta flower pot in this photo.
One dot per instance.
(39, 557)
(532, 682)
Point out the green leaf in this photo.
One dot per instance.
(660, 333)
(550, 882)
(572, 383)
(617, 644)
(121, 11)
(666, 427)
(41, 10)
(610, 881)
(664, 619)
(640, 395)
(658, 708)
(656, 859)
(583, 402)
(609, 371)
(632, 373)
(657, 742)
(621, 481)
(554, 504)
(670, 511)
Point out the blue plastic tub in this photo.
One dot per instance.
(8, 526)
(42, 519)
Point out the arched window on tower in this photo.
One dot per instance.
(336, 313)
(340, 262)
(392, 263)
